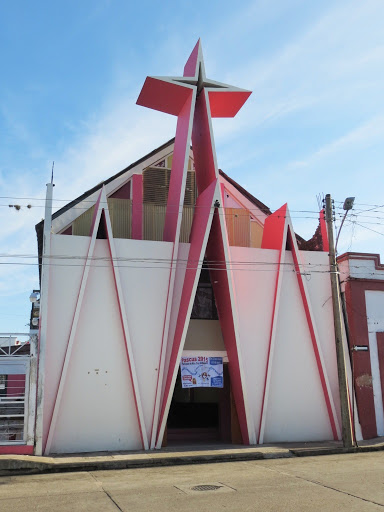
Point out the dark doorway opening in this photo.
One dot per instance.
(202, 415)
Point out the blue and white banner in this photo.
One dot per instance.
(201, 372)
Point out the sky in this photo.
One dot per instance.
(71, 73)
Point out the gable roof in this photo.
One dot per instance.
(83, 196)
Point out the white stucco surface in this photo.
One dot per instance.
(295, 406)
(97, 410)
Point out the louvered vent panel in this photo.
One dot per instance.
(186, 223)
(82, 225)
(190, 189)
(120, 211)
(153, 221)
(256, 234)
(156, 185)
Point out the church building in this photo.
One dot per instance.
(176, 307)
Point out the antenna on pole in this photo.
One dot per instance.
(53, 166)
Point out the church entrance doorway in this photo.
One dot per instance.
(202, 415)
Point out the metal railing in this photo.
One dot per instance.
(17, 389)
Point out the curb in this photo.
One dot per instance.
(29, 464)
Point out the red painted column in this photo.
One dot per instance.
(195, 258)
(219, 278)
(323, 231)
(137, 206)
(178, 174)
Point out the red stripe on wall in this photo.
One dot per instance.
(137, 206)
(313, 336)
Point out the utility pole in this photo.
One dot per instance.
(347, 431)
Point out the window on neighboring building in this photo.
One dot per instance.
(3, 384)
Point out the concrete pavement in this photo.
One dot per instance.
(174, 456)
(343, 482)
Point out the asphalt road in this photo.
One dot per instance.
(353, 482)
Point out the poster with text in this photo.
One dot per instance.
(201, 372)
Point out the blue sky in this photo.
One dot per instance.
(71, 73)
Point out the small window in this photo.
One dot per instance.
(3, 384)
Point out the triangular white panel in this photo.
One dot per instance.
(98, 397)
(297, 409)
(254, 291)
(145, 283)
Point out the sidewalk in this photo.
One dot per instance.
(173, 456)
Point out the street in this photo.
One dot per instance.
(353, 482)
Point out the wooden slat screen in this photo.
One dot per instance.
(82, 225)
(120, 211)
(256, 234)
(186, 223)
(153, 221)
(156, 186)
(242, 230)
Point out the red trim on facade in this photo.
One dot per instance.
(273, 235)
(203, 145)
(67, 231)
(196, 254)
(190, 68)
(273, 238)
(178, 177)
(123, 192)
(358, 330)
(137, 206)
(163, 95)
(122, 325)
(46, 433)
(313, 335)
(219, 278)
(162, 348)
(227, 103)
(97, 206)
(274, 227)
(323, 231)
(17, 449)
(380, 353)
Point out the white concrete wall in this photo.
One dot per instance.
(296, 408)
(365, 268)
(98, 410)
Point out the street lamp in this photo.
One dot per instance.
(348, 205)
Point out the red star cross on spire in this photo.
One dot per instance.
(168, 94)
(194, 99)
